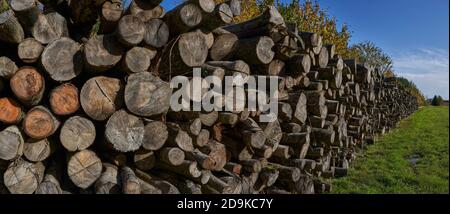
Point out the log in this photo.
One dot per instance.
(7, 67)
(138, 59)
(187, 169)
(284, 112)
(228, 118)
(110, 15)
(38, 150)
(164, 186)
(273, 133)
(178, 137)
(337, 62)
(322, 58)
(50, 27)
(205, 161)
(223, 47)
(323, 135)
(236, 149)
(289, 174)
(299, 106)
(252, 165)
(235, 6)
(155, 135)
(217, 151)
(124, 131)
(77, 133)
(23, 177)
(147, 188)
(130, 30)
(274, 68)
(11, 143)
(233, 167)
(50, 184)
(101, 96)
(233, 68)
(201, 139)
(10, 29)
(193, 127)
(188, 15)
(208, 119)
(257, 50)
(62, 59)
(130, 182)
(331, 51)
(101, 53)
(64, 99)
(108, 183)
(27, 12)
(144, 159)
(298, 64)
(146, 4)
(29, 50)
(267, 177)
(209, 37)
(305, 185)
(10, 111)
(40, 123)
(156, 33)
(147, 95)
(183, 18)
(234, 182)
(286, 48)
(84, 12)
(221, 15)
(28, 85)
(171, 155)
(269, 23)
(84, 168)
(146, 10)
(217, 185)
(189, 50)
(282, 154)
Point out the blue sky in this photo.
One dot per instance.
(415, 33)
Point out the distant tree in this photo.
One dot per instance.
(437, 100)
(249, 9)
(373, 55)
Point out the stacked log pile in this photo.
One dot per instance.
(83, 113)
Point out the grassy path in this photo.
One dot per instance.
(414, 158)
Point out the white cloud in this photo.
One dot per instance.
(427, 68)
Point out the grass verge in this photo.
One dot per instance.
(413, 158)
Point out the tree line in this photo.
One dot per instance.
(311, 17)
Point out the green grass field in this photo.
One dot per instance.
(413, 158)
